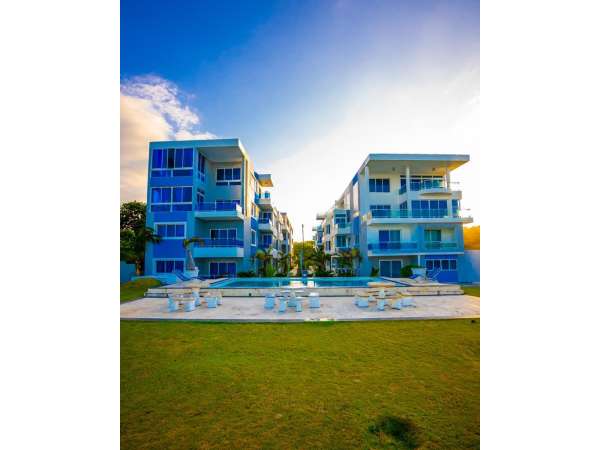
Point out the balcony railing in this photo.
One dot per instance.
(383, 246)
(265, 220)
(218, 206)
(414, 214)
(436, 245)
(207, 242)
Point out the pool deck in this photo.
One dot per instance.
(244, 309)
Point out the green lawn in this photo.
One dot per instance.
(471, 289)
(307, 385)
(133, 290)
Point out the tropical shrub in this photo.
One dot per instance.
(323, 273)
(406, 271)
(374, 271)
(248, 274)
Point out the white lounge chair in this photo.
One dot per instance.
(269, 302)
(282, 305)
(314, 300)
(381, 304)
(397, 304)
(408, 301)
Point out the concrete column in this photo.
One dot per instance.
(449, 205)
(408, 197)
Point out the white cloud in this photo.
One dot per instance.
(151, 110)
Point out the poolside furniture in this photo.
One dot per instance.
(408, 301)
(172, 305)
(282, 305)
(314, 300)
(219, 297)
(197, 298)
(381, 304)
(298, 307)
(397, 304)
(269, 302)
(189, 305)
(363, 303)
(211, 302)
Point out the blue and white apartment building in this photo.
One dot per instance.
(399, 209)
(209, 189)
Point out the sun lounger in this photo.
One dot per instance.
(189, 305)
(211, 302)
(397, 304)
(298, 307)
(197, 298)
(381, 304)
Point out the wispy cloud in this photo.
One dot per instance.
(152, 109)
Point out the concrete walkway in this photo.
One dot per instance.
(244, 309)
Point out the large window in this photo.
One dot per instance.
(433, 235)
(442, 264)
(340, 219)
(168, 265)
(229, 176)
(380, 210)
(420, 182)
(171, 199)
(253, 242)
(267, 240)
(180, 160)
(224, 233)
(201, 168)
(390, 268)
(340, 241)
(429, 208)
(390, 235)
(222, 269)
(170, 230)
(379, 185)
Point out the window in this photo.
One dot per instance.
(390, 268)
(442, 263)
(170, 230)
(433, 235)
(168, 265)
(430, 208)
(225, 233)
(202, 167)
(340, 219)
(327, 229)
(390, 235)
(340, 241)
(171, 199)
(379, 185)
(200, 196)
(420, 182)
(222, 269)
(253, 242)
(172, 158)
(380, 210)
(230, 176)
(267, 240)
(327, 245)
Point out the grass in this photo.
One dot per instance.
(132, 290)
(396, 384)
(471, 289)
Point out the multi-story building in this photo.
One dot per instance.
(399, 209)
(208, 189)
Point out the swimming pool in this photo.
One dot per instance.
(298, 283)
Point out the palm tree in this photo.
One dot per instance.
(133, 246)
(189, 259)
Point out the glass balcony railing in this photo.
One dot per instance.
(413, 214)
(437, 245)
(207, 242)
(218, 206)
(265, 220)
(383, 246)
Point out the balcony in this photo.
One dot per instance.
(384, 216)
(428, 187)
(391, 248)
(442, 246)
(267, 225)
(264, 201)
(342, 228)
(219, 248)
(219, 211)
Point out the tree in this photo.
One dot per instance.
(309, 248)
(348, 259)
(133, 215)
(471, 237)
(189, 259)
(133, 246)
(318, 259)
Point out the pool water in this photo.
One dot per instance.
(296, 283)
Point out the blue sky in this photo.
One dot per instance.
(297, 81)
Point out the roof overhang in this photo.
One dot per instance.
(432, 164)
(217, 150)
(264, 179)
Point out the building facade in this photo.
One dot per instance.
(209, 189)
(398, 210)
